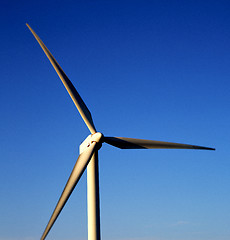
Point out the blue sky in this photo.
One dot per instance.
(146, 69)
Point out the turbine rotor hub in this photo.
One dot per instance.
(95, 137)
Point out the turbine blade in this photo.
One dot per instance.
(132, 143)
(82, 108)
(77, 171)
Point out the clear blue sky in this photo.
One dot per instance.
(147, 69)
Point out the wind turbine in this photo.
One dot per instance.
(89, 155)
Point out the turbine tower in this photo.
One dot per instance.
(89, 155)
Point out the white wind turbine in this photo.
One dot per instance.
(89, 155)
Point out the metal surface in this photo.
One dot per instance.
(93, 201)
(133, 143)
(77, 171)
(79, 103)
